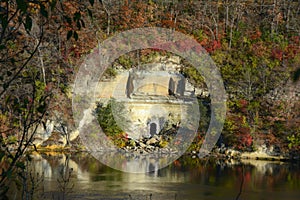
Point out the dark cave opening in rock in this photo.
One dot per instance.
(153, 129)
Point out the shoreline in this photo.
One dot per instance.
(232, 155)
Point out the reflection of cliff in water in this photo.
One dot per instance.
(191, 176)
(52, 165)
(84, 165)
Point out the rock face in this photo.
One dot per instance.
(154, 95)
(149, 95)
(160, 78)
(145, 119)
(43, 132)
(54, 133)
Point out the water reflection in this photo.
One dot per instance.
(186, 178)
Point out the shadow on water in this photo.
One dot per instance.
(80, 176)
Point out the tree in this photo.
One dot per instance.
(27, 78)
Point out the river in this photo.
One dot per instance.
(80, 176)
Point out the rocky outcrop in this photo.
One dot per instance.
(155, 144)
(54, 134)
(262, 153)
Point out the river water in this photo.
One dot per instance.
(80, 176)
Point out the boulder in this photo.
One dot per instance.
(152, 141)
(232, 153)
(142, 145)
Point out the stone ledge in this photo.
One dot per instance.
(262, 156)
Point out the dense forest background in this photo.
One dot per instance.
(255, 44)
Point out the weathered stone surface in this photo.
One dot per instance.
(55, 140)
(142, 145)
(152, 141)
(149, 94)
(43, 132)
(54, 133)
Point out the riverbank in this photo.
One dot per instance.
(216, 153)
(262, 153)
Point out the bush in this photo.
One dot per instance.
(108, 123)
(294, 141)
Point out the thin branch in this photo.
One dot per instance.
(23, 66)
(8, 21)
